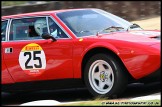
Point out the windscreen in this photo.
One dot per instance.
(90, 21)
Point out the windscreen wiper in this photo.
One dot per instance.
(111, 29)
(133, 26)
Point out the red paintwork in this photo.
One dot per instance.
(58, 55)
(6, 77)
(140, 54)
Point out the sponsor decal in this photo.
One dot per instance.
(32, 59)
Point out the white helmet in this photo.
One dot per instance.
(39, 25)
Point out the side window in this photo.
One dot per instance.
(28, 28)
(55, 30)
(3, 30)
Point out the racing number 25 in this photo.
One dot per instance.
(27, 66)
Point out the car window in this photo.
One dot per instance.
(28, 28)
(89, 22)
(55, 30)
(3, 30)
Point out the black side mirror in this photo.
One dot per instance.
(48, 36)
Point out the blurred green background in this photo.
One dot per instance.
(16, 3)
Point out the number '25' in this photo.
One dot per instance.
(27, 66)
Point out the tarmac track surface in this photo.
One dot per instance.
(72, 95)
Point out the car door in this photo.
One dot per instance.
(31, 58)
(6, 77)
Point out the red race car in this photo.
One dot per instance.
(76, 48)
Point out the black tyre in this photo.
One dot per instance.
(104, 77)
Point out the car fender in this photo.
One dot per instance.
(100, 44)
(78, 64)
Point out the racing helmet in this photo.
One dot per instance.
(39, 25)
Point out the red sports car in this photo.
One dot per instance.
(76, 48)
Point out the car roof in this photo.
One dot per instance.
(42, 13)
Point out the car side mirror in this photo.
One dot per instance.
(48, 36)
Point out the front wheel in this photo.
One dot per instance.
(104, 77)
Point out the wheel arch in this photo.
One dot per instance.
(104, 50)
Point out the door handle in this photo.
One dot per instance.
(8, 50)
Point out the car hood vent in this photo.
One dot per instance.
(156, 37)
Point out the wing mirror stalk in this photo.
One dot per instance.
(48, 36)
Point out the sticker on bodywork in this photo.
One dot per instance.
(32, 59)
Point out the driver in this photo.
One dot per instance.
(41, 27)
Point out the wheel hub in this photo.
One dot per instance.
(103, 76)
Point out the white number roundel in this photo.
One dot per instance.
(32, 59)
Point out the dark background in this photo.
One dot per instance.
(129, 10)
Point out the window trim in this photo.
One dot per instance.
(47, 16)
(22, 18)
(47, 24)
(69, 37)
(6, 33)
